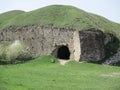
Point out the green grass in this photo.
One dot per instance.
(5, 17)
(41, 74)
(61, 15)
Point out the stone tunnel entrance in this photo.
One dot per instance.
(63, 53)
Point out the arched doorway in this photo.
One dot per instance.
(63, 53)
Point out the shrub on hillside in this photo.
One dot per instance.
(15, 53)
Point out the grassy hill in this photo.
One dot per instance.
(61, 15)
(41, 74)
(5, 17)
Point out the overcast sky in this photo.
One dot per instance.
(107, 8)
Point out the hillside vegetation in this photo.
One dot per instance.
(5, 17)
(61, 15)
(41, 74)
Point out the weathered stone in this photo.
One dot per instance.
(111, 45)
(92, 45)
(108, 38)
(113, 60)
(40, 40)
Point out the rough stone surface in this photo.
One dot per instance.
(40, 39)
(77, 46)
(113, 60)
(92, 45)
(87, 45)
(108, 38)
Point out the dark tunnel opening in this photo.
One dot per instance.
(63, 53)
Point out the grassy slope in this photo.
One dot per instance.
(40, 74)
(5, 17)
(61, 15)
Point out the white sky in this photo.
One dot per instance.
(107, 8)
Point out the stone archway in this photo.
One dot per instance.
(63, 53)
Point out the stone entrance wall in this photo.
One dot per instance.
(77, 46)
(86, 45)
(40, 39)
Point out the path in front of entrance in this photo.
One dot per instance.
(63, 61)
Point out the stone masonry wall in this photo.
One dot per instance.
(40, 39)
(92, 45)
(86, 45)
